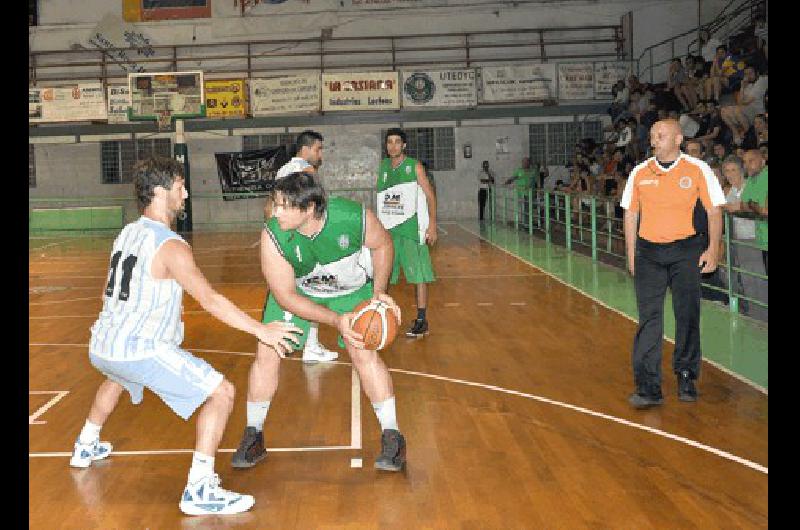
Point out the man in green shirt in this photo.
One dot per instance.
(407, 208)
(525, 179)
(312, 258)
(754, 197)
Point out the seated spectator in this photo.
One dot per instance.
(719, 152)
(724, 74)
(714, 129)
(763, 148)
(676, 79)
(749, 103)
(694, 148)
(691, 85)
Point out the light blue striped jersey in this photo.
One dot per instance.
(139, 312)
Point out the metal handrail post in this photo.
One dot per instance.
(594, 227)
(568, 220)
(515, 202)
(491, 201)
(733, 300)
(547, 216)
(530, 212)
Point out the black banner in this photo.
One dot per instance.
(249, 172)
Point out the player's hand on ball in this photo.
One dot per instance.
(280, 336)
(388, 300)
(347, 332)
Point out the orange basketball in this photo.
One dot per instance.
(376, 322)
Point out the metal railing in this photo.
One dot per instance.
(590, 221)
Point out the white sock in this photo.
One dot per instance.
(89, 433)
(257, 413)
(386, 414)
(202, 466)
(313, 334)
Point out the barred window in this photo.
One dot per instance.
(433, 145)
(119, 157)
(262, 141)
(554, 143)
(31, 167)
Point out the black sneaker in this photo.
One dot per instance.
(418, 329)
(644, 401)
(686, 389)
(251, 449)
(393, 451)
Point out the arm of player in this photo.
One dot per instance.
(631, 221)
(178, 262)
(280, 277)
(708, 260)
(379, 243)
(422, 179)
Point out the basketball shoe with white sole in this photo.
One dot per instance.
(84, 454)
(207, 497)
(314, 352)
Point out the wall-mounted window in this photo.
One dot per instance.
(119, 157)
(262, 141)
(554, 143)
(433, 145)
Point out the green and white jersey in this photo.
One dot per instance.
(402, 208)
(330, 263)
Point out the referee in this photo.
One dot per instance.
(665, 251)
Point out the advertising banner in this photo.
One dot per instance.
(575, 81)
(533, 82)
(360, 91)
(225, 98)
(440, 88)
(290, 94)
(81, 102)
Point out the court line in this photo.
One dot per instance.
(66, 301)
(189, 451)
(355, 411)
(44, 408)
(192, 312)
(617, 311)
(693, 443)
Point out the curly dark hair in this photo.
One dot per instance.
(151, 173)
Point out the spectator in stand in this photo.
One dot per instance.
(708, 49)
(691, 82)
(634, 84)
(761, 34)
(620, 96)
(754, 197)
(764, 150)
(713, 129)
(724, 74)
(676, 78)
(719, 152)
(749, 103)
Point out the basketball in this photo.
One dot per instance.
(376, 322)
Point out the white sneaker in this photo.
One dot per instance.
(207, 497)
(317, 353)
(84, 454)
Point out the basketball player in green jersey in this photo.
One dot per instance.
(311, 257)
(407, 208)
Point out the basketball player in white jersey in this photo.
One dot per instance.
(136, 340)
(308, 158)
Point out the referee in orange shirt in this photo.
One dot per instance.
(665, 251)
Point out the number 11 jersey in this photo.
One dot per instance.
(140, 313)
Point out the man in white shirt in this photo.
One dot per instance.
(308, 158)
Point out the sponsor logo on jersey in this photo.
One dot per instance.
(344, 241)
(297, 252)
(408, 170)
(685, 183)
(654, 182)
(385, 175)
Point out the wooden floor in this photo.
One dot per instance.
(514, 409)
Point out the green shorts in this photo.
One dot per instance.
(414, 259)
(340, 304)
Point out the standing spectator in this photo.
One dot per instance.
(664, 251)
(620, 96)
(754, 198)
(708, 48)
(485, 180)
(749, 103)
(524, 181)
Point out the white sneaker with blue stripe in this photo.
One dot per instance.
(206, 497)
(84, 454)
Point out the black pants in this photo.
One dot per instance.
(483, 193)
(656, 267)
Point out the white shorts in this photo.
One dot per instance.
(180, 379)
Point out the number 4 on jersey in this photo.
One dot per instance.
(127, 270)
